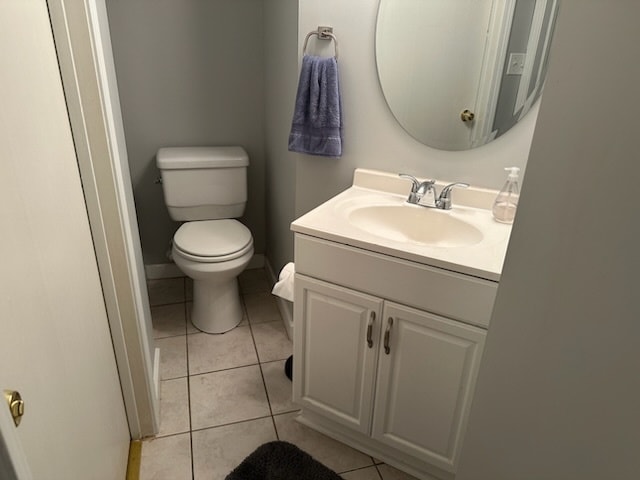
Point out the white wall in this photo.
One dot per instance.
(559, 389)
(372, 137)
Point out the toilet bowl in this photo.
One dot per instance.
(213, 253)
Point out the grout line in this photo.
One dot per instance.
(166, 304)
(362, 468)
(266, 390)
(186, 339)
(224, 369)
(230, 423)
(264, 382)
(275, 428)
(177, 302)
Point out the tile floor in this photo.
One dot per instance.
(224, 395)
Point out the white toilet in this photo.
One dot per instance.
(206, 187)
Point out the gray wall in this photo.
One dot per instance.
(190, 72)
(281, 72)
(558, 391)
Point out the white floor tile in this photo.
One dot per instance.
(279, 387)
(390, 473)
(173, 357)
(167, 458)
(272, 341)
(174, 406)
(210, 353)
(262, 307)
(217, 451)
(168, 320)
(228, 396)
(369, 473)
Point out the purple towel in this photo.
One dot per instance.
(316, 128)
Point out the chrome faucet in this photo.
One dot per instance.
(420, 190)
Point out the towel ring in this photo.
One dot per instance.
(323, 33)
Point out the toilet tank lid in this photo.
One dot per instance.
(169, 158)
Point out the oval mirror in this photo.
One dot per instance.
(459, 73)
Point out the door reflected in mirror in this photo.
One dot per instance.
(457, 74)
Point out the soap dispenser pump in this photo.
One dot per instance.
(506, 203)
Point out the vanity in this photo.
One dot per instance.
(392, 306)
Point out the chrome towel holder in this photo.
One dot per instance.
(323, 33)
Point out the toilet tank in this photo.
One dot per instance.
(204, 183)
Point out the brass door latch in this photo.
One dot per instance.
(16, 405)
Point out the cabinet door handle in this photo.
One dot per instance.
(372, 319)
(387, 335)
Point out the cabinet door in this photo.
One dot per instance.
(334, 363)
(425, 383)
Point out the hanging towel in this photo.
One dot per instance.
(316, 128)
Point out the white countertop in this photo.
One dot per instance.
(483, 259)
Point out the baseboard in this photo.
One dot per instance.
(285, 306)
(159, 271)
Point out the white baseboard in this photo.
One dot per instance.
(285, 306)
(158, 271)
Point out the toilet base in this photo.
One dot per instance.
(216, 305)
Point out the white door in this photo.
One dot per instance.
(430, 367)
(336, 344)
(55, 344)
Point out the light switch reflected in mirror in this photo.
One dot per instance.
(459, 73)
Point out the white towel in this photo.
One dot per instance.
(284, 287)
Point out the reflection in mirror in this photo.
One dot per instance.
(459, 73)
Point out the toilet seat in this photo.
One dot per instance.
(213, 241)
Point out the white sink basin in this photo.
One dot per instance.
(374, 215)
(415, 224)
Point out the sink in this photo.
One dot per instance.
(373, 214)
(415, 224)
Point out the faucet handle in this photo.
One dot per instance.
(444, 200)
(415, 184)
(414, 181)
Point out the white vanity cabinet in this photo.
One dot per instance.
(393, 380)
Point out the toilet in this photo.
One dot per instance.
(206, 187)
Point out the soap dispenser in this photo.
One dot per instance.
(504, 208)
